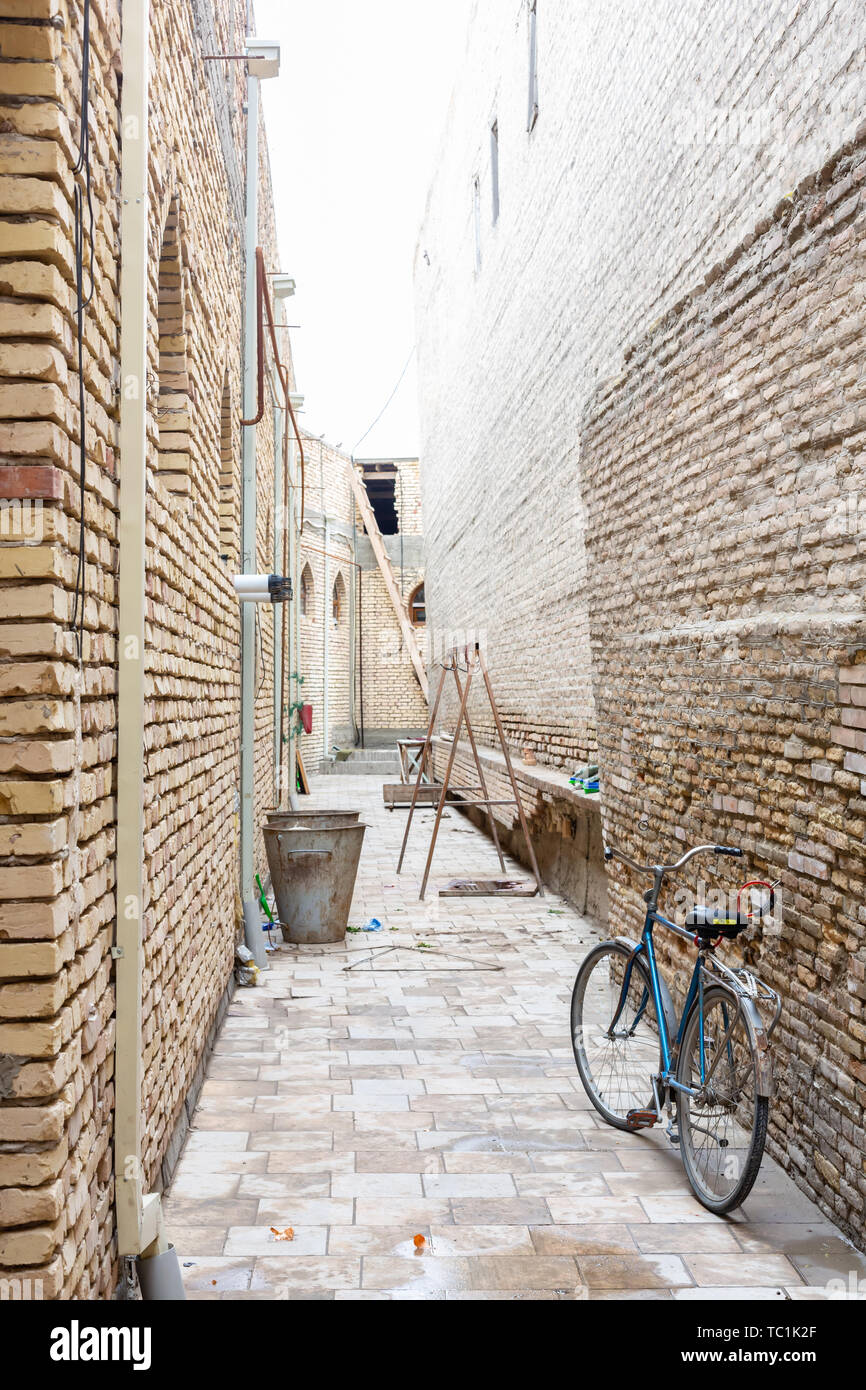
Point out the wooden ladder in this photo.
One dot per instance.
(382, 559)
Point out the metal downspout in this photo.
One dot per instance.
(280, 522)
(248, 529)
(326, 605)
(353, 620)
(295, 537)
(140, 1229)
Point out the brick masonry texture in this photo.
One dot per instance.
(391, 695)
(328, 495)
(641, 462)
(724, 474)
(57, 809)
(661, 138)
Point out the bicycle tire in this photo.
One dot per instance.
(719, 1203)
(581, 1026)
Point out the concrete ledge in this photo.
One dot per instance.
(564, 823)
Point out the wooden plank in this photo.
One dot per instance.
(488, 888)
(302, 773)
(400, 794)
(375, 537)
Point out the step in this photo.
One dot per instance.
(365, 767)
(375, 755)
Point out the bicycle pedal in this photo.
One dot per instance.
(641, 1119)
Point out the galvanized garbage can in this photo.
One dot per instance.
(313, 871)
(288, 820)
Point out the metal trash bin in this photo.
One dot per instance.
(313, 871)
(288, 820)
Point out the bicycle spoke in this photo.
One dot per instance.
(719, 1125)
(615, 1041)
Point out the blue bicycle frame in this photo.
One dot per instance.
(744, 991)
(646, 948)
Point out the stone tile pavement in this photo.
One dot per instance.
(419, 1081)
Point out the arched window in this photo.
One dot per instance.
(338, 600)
(306, 592)
(417, 608)
(172, 413)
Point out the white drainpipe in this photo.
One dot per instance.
(277, 568)
(248, 516)
(282, 287)
(296, 691)
(326, 711)
(263, 61)
(140, 1230)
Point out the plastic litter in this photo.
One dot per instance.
(246, 971)
(586, 778)
(288, 1233)
(373, 925)
(419, 1241)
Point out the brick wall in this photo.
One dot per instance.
(328, 497)
(724, 474)
(663, 132)
(391, 696)
(728, 687)
(57, 811)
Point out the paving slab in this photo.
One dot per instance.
(407, 1102)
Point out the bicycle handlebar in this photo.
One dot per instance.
(610, 852)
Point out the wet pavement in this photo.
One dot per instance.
(419, 1081)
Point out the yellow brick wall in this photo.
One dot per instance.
(391, 697)
(58, 720)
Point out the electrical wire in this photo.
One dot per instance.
(82, 166)
(261, 650)
(389, 400)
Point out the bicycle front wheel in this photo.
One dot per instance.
(723, 1127)
(614, 1035)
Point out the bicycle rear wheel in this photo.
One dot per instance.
(723, 1129)
(617, 1050)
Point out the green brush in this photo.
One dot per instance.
(263, 902)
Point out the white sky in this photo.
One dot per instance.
(354, 123)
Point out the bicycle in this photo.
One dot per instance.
(636, 1059)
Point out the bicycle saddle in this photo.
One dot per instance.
(715, 921)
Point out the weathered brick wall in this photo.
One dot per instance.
(57, 812)
(664, 134)
(663, 131)
(56, 802)
(391, 695)
(328, 496)
(724, 471)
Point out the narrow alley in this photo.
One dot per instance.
(448, 420)
(419, 1081)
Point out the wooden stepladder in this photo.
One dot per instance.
(470, 659)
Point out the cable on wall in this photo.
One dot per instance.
(82, 166)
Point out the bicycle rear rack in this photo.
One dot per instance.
(743, 981)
